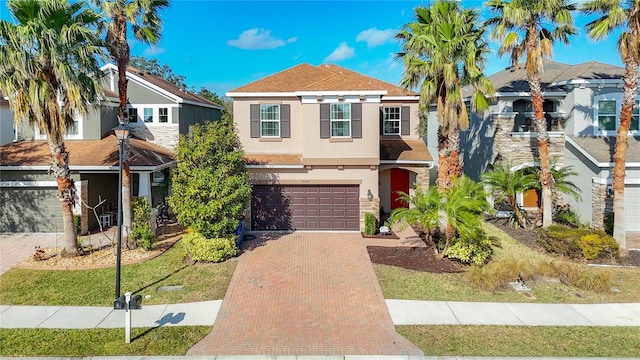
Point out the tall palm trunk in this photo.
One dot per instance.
(122, 60)
(66, 194)
(533, 77)
(619, 158)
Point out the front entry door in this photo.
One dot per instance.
(399, 182)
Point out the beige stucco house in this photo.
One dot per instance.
(325, 145)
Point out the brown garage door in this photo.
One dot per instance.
(305, 207)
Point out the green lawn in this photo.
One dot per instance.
(528, 341)
(398, 283)
(169, 340)
(96, 286)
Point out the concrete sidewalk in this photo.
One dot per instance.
(403, 312)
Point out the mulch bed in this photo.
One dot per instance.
(415, 258)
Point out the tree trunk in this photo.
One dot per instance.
(455, 165)
(443, 181)
(122, 59)
(516, 210)
(66, 195)
(619, 157)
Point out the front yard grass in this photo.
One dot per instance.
(170, 340)
(96, 287)
(527, 341)
(399, 283)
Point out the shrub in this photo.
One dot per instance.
(141, 233)
(210, 185)
(217, 249)
(597, 281)
(369, 223)
(608, 223)
(476, 250)
(498, 274)
(568, 217)
(596, 246)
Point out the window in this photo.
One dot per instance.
(73, 130)
(133, 115)
(163, 115)
(340, 115)
(269, 120)
(391, 121)
(606, 115)
(148, 115)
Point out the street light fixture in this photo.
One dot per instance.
(122, 132)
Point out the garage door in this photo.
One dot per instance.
(632, 207)
(305, 207)
(30, 210)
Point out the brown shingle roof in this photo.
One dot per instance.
(305, 77)
(273, 159)
(603, 148)
(404, 150)
(84, 153)
(171, 88)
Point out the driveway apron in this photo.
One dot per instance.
(304, 294)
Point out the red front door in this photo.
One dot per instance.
(399, 182)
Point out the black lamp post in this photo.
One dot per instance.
(122, 132)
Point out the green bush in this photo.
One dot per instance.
(476, 250)
(141, 233)
(596, 246)
(608, 223)
(568, 217)
(369, 223)
(217, 249)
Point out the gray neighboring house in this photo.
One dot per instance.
(28, 201)
(582, 106)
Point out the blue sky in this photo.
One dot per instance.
(226, 44)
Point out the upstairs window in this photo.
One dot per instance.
(391, 120)
(269, 120)
(148, 115)
(340, 120)
(635, 116)
(133, 115)
(607, 115)
(163, 115)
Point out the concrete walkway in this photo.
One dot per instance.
(403, 312)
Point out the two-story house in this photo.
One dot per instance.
(159, 113)
(324, 145)
(582, 107)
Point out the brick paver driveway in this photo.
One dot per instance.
(304, 294)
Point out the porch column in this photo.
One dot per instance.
(144, 186)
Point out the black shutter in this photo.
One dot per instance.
(381, 120)
(254, 115)
(405, 122)
(285, 121)
(356, 120)
(325, 121)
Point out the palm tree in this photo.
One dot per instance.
(624, 15)
(455, 210)
(142, 16)
(443, 51)
(49, 71)
(504, 183)
(530, 27)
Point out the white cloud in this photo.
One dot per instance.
(340, 53)
(374, 37)
(258, 39)
(152, 51)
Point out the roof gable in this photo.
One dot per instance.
(326, 77)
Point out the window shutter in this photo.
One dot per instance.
(381, 120)
(285, 121)
(254, 115)
(325, 121)
(405, 122)
(356, 120)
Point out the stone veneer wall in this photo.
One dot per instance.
(602, 204)
(521, 149)
(369, 206)
(162, 135)
(422, 177)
